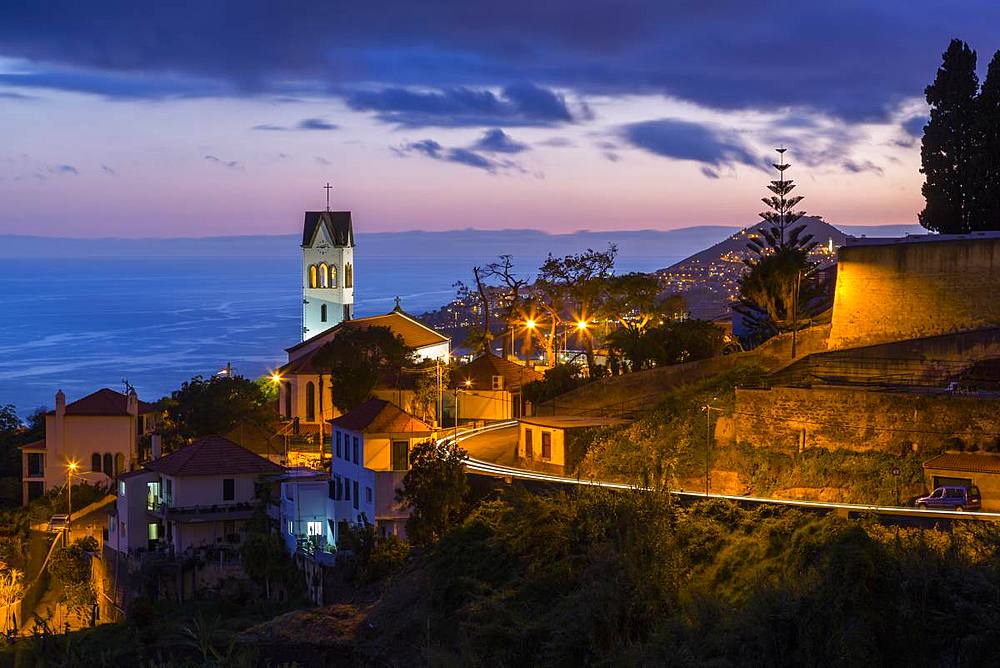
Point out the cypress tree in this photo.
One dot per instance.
(987, 164)
(949, 143)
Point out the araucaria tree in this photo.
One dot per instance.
(949, 147)
(777, 291)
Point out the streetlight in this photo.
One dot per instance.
(276, 378)
(71, 468)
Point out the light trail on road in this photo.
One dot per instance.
(488, 468)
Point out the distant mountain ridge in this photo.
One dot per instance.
(671, 245)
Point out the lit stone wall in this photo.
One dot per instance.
(785, 418)
(905, 290)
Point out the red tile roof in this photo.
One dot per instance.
(104, 402)
(968, 462)
(482, 370)
(378, 416)
(34, 445)
(212, 455)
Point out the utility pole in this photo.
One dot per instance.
(708, 446)
(795, 310)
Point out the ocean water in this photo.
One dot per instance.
(82, 324)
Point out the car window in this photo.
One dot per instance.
(937, 493)
(973, 491)
(955, 493)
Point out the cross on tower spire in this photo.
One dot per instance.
(328, 188)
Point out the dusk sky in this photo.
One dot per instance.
(218, 118)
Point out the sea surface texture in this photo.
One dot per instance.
(82, 324)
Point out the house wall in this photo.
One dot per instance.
(81, 436)
(479, 405)
(207, 490)
(788, 418)
(558, 457)
(906, 290)
(127, 528)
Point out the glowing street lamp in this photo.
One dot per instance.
(530, 324)
(276, 378)
(71, 468)
(581, 325)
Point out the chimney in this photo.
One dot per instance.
(59, 424)
(132, 403)
(156, 446)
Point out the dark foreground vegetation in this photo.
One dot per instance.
(631, 579)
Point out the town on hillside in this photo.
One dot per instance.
(781, 450)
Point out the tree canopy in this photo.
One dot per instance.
(217, 405)
(434, 489)
(358, 359)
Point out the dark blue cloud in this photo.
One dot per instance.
(855, 59)
(316, 124)
(683, 140)
(304, 124)
(915, 126)
(521, 105)
(461, 156)
(63, 169)
(498, 141)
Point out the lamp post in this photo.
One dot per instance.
(70, 470)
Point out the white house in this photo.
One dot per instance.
(99, 433)
(377, 437)
(198, 496)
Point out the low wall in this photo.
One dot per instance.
(790, 419)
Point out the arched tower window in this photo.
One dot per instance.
(322, 313)
(323, 275)
(119, 464)
(312, 276)
(288, 400)
(95, 462)
(333, 275)
(109, 464)
(310, 402)
(348, 275)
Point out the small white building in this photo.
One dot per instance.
(99, 433)
(198, 496)
(302, 510)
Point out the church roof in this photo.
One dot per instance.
(415, 333)
(482, 370)
(378, 416)
(212, 455)
(337, 223)
(104, 402)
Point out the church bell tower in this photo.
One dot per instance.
(327, 270)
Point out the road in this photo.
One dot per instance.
(498, 446)
(488, 441)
